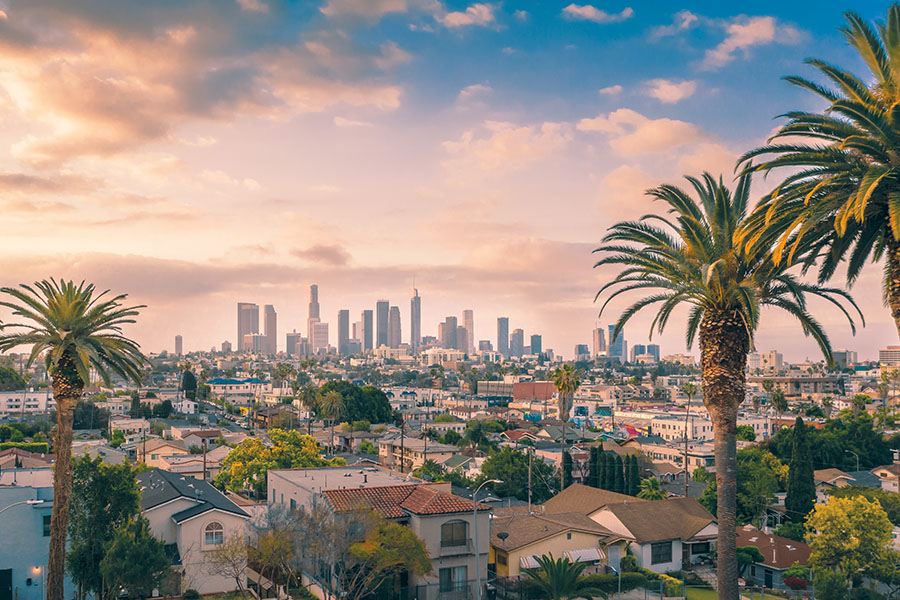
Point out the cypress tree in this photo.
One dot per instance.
(626, 464)
(567, 469)
(609, 471)
(594, 468)
(635, 476)
(801, 486)
(619, 485)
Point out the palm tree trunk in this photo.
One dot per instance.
(892, 278)
(67, 390)
(724, 343)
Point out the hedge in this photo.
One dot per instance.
(609, 583)
(38, 447)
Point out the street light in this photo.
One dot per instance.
(475, 525)
(30, 502)
(854, 454)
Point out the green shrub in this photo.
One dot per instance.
(609, 583)
(39, 447)
(191, 594)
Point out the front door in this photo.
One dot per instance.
(768, 578)
(6, 584)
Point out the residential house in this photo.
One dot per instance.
(828, 479)
(198, 438)
(889, 476)
(151, 451)
(193, 518)
(519, 538)
(414, 452)
(270, 416)
(101, 448)
(132, 429)
(779, 554)
(16, 458)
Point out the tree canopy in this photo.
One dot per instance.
(511, 467)
(361, 403)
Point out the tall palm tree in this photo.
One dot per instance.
(309, 400)
(560, 579)
(332, 406)
(650, 490)
(692, 257)
(76, 330)
(843, 190)
(566, 379)
(690, 390)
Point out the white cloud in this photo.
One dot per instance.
(342, 122)
(477, 14)
(375, 8)
(745, 32)
(623, 194)
(471, 92)
(612, 90)
(509, 51)
(254, 6)
(631, 133)
(504, 145)
(683, 21)
(670, 91)
(521, 15)
(587, 12)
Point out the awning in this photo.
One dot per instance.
(585, 555)
(528, 562)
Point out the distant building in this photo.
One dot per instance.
(636, 350)
(536, 344)
(382, 308)
(367, 331)
(844, 358)
(179, 346)
(599, 337)
(314, 315)
(768, 361)
(247, 321)
(485, 346)
(415, 322)
(343, 332)
(394, 327)
(226, 347)
(517, 343)
(889, 357)
(618, 346)
(469, 324)
(319, 341)
(257, 343)
(462, 338)
(270, 326)
(503, 336)
(582, 352)
(654, 350)
(448, 333)
(292, 343)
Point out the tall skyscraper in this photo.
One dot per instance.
(367, 330)
(485, 346)
(247, 321)
(226, 347)
(292, 343)
(503, 336)
(343, 332)
(654, 350)
(270, 328)
(462, 338)
(394, 327)
(637, 350)
(415, 322)
(599, 340)
(617, 347)
(314, 315)
(382, 308)
(179, 346)
(536, 344)
(448, 333)
(517, 343)
(469, 324)
(319, 341)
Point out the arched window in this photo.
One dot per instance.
(454, 533)
(214, 534)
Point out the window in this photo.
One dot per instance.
(293, 504)
(453, 533)
(569, 536)
(46, 525)
(661, 552)
(452, 579)
(214, 534)
(501, 558)
(700, 548)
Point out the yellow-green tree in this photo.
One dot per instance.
(850, 536)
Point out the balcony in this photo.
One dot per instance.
(455, 549)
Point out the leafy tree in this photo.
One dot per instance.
(246, 465)
(360, 426)
(189, 384)
(511, 467)
(135, 559)
(10, 381)
(791, 530)
(445, 418)
(841, 193)
(850, 536)
(831, 585)
(388, 549)
(747, 555)
(801, 486)
(697, 255)
(889, 501)
(17, 436)
(828, 445)
(430, 470)
(746, 433)
(108, 498)
(331, 405)
(163, 409)
(361, 403)
(650, 490)
(367, 447)
(76, 330)
(88, 415)
(560, 579)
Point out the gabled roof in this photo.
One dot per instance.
(159, 487)
(866, 479)
(524, 529)
(672, 519)
(155, 443)
(396, 501)
(830, 475)
(584, 499)
(778, 552)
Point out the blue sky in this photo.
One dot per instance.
(204, 152)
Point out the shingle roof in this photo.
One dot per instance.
(829, 475)
(525, 529)
(584, 499)
(158, 487)
(866, 479)
(672, 519)
(778, 552)
(395, 501)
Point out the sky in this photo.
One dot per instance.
(199, 153)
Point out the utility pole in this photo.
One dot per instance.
(402, 429)
(685, 465)
(530, 455)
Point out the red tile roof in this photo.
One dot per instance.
(778, 552)
(395, 501)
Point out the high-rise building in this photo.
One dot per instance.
(582, 352)
(517, 343)
(179, 348)
(448, 333)
(462, 338)
(536, 344)
(319, 341)
(314, 315)
(394, 327)
(343, 332)
(415, 322)
(599, 340)
(469, 324)
(367, 331)
(247, 321)
(270, 329)
(654, 350)
(255, 343)
(292, 343)
(637, 350)
(485, 346)
(503, 336)
(382, 308)
(618, 346)
(226, 347)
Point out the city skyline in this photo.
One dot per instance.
(465, 129)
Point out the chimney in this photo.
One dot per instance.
(365, 478)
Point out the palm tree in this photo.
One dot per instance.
(843, 191)
(560, 579)
(650, 490)
(566, 379)
(332, 406)
(692, 257)
(309, 400)
(690, 390)
(779, 403)
(76, 330)
(828, 405)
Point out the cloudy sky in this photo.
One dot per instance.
(199, 153)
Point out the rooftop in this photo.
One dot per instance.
(584, 499)
(672, 519)
(335, 478)
(396, 501)
(523, 529)
(778, 552)
(36, 478)
(159, 487)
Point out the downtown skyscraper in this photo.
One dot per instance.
(367, 328)
(343, 332)
(503, 336)
(247, 322)
(270, 329)
(314, 315)
(382, 309)
(394, 327)
(469, 324)
(415, 322)
(617, 347)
